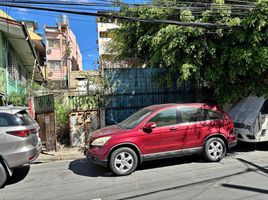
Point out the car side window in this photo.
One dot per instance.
(7, 120)
(213, 115)
(264, 109)
(25, 118)
(190, 114)
(165, 118)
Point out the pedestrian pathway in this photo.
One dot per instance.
(61, 154)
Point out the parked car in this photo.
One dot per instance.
(162, 131)
(19, 140)
(250, 117)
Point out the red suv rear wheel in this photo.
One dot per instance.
(214, 149)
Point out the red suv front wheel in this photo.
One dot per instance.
(123, 161)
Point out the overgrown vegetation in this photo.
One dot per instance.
(62, 119)
(230, 60)
(21, 97)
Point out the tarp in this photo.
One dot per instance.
(247, 110)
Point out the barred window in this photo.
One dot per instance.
(53, 43)
(11, 63)
(55, 64)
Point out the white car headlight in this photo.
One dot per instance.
(100, 141)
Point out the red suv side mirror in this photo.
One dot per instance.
(149, 125)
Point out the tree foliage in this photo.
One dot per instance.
(231, 60)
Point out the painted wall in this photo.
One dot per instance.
(7, 85)
(68, 52)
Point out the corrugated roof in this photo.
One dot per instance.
(34, 36)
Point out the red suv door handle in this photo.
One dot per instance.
(173, 129)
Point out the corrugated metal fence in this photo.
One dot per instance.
(135, 88)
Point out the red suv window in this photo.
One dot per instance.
(165, 118)
(190, 114)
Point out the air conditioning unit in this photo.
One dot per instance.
(50, 74)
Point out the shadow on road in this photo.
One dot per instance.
(171, 161)
(84, 167)
(19, 174)
(240, 187)
(247, 147)
(251, 166)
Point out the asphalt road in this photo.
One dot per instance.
(243, 174)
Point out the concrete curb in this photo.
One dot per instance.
(63, 154)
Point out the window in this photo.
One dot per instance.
(165, 118)
(53, 43)
(264, 109)
(11, 70)
(213, 115)
(22, 75)
(105, 34)
(8, 120)
(189, 114)
(55, 64)
(25, 118)
(133, 120)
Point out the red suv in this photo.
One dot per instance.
(162, 131)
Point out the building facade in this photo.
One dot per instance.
(106, 54)
(62, 53)
(19, 62)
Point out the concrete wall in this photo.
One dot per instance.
(104, 42)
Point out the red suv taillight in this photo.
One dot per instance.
(23, 133)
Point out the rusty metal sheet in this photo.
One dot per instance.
(82, 123)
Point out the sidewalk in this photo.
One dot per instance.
(61, 154)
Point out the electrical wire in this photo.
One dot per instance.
(68, 7)
(207, 25)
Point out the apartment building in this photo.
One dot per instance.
(62, 53)
(105, 26)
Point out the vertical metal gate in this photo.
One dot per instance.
(135, 88)
(45, 117)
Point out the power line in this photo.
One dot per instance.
(184, 4)
(51, 15)
(137, 19)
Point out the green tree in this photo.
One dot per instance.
(231, 59)
(17, 99)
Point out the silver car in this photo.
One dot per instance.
(19, 140)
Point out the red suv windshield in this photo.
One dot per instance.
(133, 120)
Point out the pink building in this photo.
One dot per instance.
(62, 53)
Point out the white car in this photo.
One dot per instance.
(19, 140)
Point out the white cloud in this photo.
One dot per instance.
(21, 9)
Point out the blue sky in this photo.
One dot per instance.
(84, 27)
